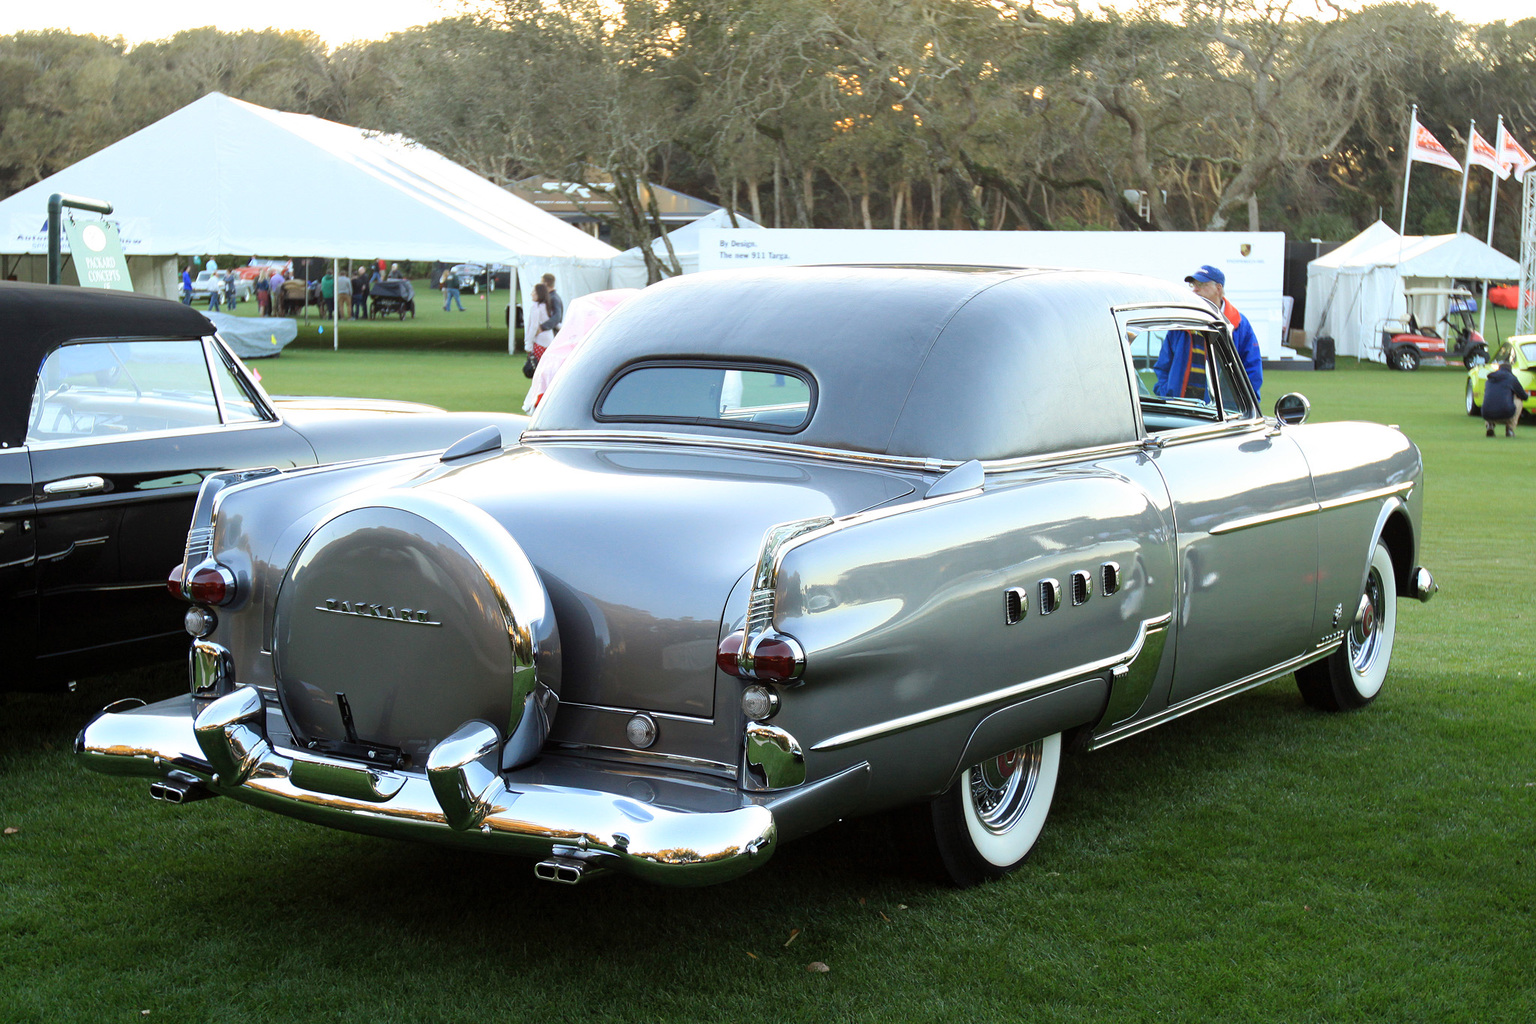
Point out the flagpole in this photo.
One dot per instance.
(1413, 120)
(1493, 202)
(1466, 172)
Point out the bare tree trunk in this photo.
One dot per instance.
(864, 198)
(896, 202)
(757, 202)
(1253, 212)
(778, 193)
(808, 190)
(938, 193)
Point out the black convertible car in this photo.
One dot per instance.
(113, 409)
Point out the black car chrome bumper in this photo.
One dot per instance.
(580, 819)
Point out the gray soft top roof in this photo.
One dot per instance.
(925, 362)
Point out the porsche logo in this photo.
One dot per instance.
(1245, 248)
(366, 610)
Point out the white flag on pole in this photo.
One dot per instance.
(1428, 149)
(1481, 152)
(1512, 154)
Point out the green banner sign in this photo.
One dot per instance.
(99, 261)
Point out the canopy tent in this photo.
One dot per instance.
(629, 266)
(225, 176)
(1354, 289)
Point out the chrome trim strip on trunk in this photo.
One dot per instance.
(1148, 626)
(1213, 696)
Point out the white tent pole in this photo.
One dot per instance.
(1466, 172)
(335, 315)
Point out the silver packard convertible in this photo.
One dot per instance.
(780, 548)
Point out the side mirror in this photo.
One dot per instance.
(1292, 409)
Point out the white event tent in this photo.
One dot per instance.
(629, 265)
(1354, 289)
(224, 176)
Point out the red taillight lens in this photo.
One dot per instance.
(211, 583)
(775, 658)
(173, 581)
(725, 654)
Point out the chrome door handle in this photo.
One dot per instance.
(76, 485)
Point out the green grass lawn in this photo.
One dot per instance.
(1254, 862)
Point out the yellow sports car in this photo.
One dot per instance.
(1521, 356)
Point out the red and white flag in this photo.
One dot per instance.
(1427, 148)
(1481, 152)
(1512, 154)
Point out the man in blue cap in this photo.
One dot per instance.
(1180, 366)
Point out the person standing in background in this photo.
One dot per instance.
(450, 285)
(344, 297)
(554, 304)
(327, 293)
(186, 285)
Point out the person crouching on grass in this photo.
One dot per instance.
(1502, 400)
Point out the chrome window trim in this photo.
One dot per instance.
(214, 348)
(1092, 668)
(869, 460)
(1310, 508)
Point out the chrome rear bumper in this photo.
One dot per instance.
(583, 819)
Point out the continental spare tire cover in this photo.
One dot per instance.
(423, 612)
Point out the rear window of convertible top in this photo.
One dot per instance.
(749, 396)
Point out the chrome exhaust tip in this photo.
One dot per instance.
(179, 788)
(564, 870)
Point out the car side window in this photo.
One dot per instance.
(1179, 374)
(116, 388)
(755, 398)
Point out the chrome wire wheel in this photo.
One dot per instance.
(987, 823)
(1001, 787)
(1365, 635)
(1353, 674)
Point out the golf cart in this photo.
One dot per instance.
(1409, 344)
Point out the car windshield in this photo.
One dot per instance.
(1528, 352)
(776, 399)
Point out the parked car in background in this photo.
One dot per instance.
(1520, 353)
(113, 410)
(781, 547)
(210, 280)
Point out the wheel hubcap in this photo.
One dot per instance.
(1365, 634)
(1001, 786)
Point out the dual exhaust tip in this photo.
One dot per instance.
(180, 788)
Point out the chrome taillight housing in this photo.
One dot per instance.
(770, 656)
(208, 583)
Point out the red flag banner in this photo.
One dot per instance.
(1512, 154)
(1428, 149)
(1481, 152)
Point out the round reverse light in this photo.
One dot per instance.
(199, 621)
(759, 703)
(641, 731)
